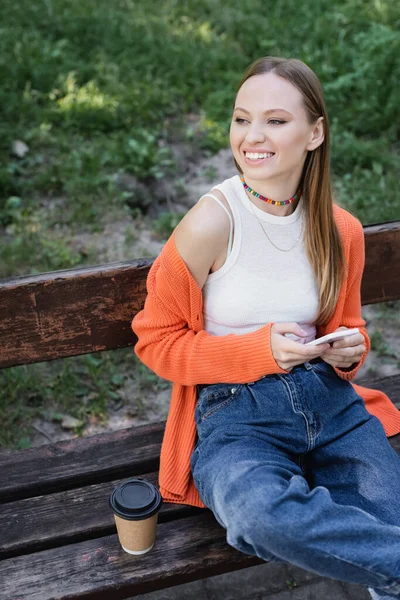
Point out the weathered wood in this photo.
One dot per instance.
(395, 442)
(185, 550)
(381, 281)
(389, 384)
(70, 312)
(73, 312)
(75, 515)
(81, 461)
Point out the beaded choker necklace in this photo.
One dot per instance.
(265, 199)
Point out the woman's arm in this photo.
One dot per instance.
(176, 352)
(167, 342)
(352, 315)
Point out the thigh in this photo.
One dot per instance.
(241, 476)
(360, 468)
(250, 441)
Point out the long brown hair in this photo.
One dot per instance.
(322, 240)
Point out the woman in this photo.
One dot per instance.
(266, 431)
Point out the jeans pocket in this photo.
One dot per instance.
(215, 396)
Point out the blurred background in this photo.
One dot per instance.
(114, 120)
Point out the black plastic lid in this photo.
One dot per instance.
(135, 500)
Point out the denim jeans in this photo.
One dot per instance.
(296, 469)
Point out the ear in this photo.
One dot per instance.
(317, 135)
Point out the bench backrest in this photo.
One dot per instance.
(77, 311)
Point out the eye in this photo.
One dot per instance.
(276, 121)
(240, 121)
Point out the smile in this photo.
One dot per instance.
(258, 157)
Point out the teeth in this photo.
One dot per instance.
(257, 155)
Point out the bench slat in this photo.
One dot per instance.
(185, 550)
(73, 312)
(48, 521)
(70, 312)
(71, 516)
(381, 281)
(389, 384)
(81, 461)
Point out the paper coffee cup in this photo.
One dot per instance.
(136, 504)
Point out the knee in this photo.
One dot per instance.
(264, 514)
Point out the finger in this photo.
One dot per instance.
(346, 352)
(351, 340)
(283, 328)
(300, 357)
(340, 364)
(340, 357)
(296, 348)
(314, 351)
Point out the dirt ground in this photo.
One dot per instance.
(121, 241)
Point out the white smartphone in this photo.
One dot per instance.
(332, 337)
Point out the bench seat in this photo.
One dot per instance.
(58, 537)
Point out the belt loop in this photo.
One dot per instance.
(308, 366)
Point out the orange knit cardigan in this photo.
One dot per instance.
(173, 343)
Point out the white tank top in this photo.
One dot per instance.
(258, 283)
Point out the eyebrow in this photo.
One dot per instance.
(266, 112)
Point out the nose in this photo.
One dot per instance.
(255, 134)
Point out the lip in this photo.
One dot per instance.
(257, 150)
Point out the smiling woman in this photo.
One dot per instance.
(283, 439)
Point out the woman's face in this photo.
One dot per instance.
(269, 117)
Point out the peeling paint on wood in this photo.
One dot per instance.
(78, 311)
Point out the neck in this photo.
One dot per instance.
(279, 193)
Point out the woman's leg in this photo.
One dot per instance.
(247, 466)
(358, 466)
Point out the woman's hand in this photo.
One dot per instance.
(288, 353)
(345, 352)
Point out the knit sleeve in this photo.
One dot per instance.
(174, 351)
(352, 316)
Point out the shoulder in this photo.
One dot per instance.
(206, 219)
(202, 234)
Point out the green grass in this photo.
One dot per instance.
(97, 89)
(83, 387)
(94, 87)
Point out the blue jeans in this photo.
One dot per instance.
(296, 469)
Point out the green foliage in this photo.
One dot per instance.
(95, 88)
(83, 387)
(30, 245)
(80, 387)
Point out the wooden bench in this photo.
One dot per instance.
(58, 538)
